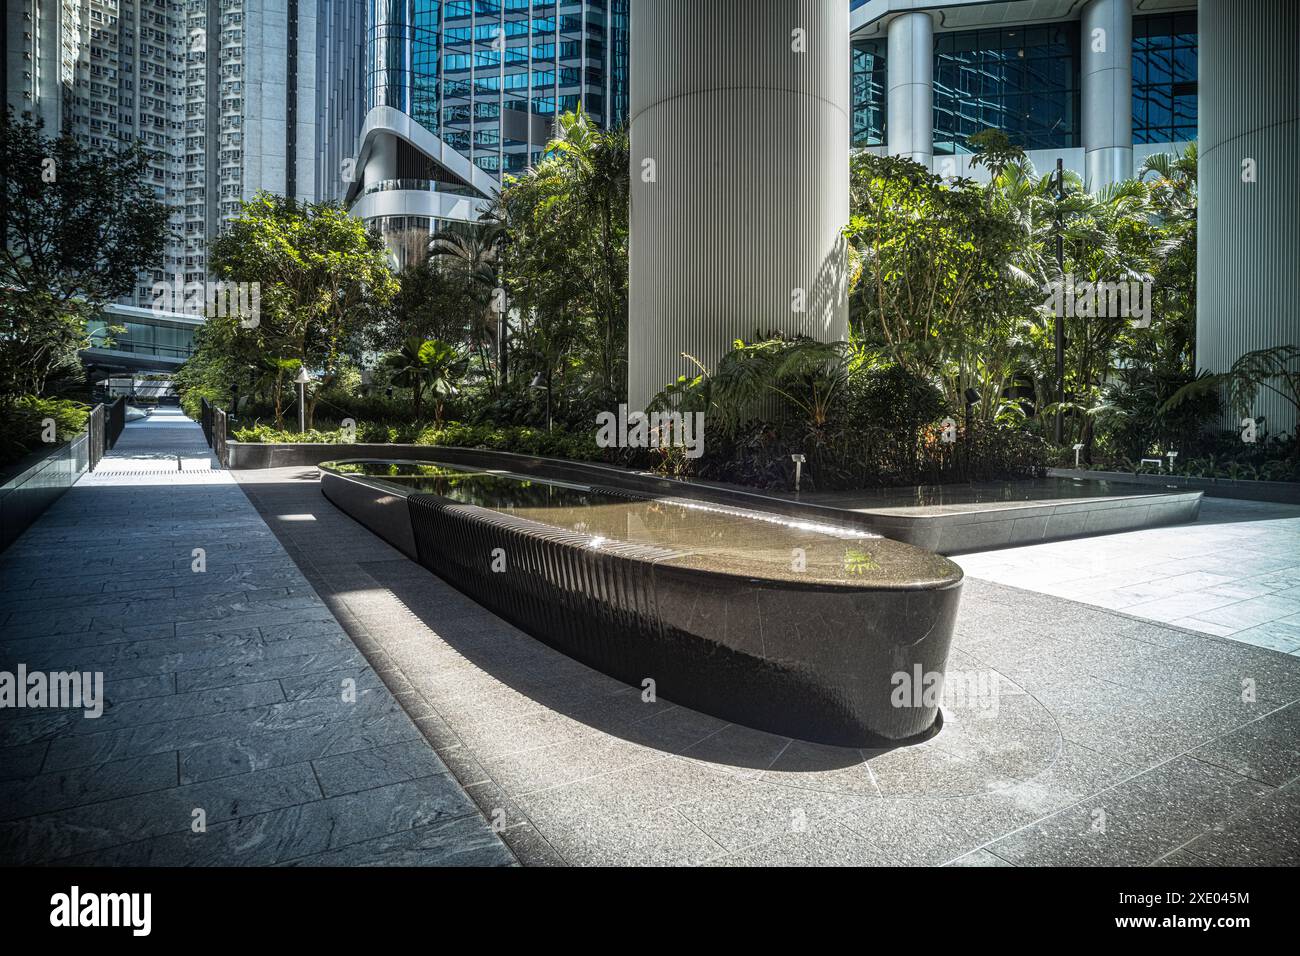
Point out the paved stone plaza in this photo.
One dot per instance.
(224, 690)
(1114, 741)
(1107, 738)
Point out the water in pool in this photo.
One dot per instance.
(698, 532)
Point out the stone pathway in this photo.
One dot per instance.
(230, 733)
(1234, 573)
(1091, 737)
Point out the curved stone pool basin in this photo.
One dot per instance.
(801, 629)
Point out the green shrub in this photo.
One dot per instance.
(24, 420)
(889, 396)
(850, 456)
(513, 438)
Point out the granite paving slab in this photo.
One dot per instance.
(240, 724)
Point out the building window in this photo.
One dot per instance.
(869, 92)
(1164, 78)
(1022, 80)
(478, 73)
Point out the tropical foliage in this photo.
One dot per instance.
(323, 279)
(77, 226)
(948, 372)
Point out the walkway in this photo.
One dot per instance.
(241, 726)
(1234, 573)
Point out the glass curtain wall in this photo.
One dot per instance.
(1164, 78)
(870, 92)
(1022, 80)
(1025, 82)
(489, 76)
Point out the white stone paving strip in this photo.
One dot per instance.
(1235, 572)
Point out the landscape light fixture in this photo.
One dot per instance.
(1077, 448)
(798, 469)
(302, 380)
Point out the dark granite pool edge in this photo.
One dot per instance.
(947, 534)
(812, 662)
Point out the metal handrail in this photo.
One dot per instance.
(96, 430)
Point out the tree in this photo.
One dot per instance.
(467, 256)
(78, 226)
(324, 278)
(595, 165)
(942, 285)
(435, 300)
(426, 365)
(566, 269)
(995, 151)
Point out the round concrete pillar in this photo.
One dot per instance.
(909, 123)
(1248, 246)
(740, 189)
(1106, 76)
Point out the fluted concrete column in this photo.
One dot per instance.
(1248, 246)
(910, 75)
(740, 184)
(1106, 74)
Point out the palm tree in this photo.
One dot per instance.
(444, 366)
(1275, 370)
(409, 370)
(472, 247)
(427, 364)
(472, 250)
(592, 166)
(806, 373)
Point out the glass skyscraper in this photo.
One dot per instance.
(460, 93)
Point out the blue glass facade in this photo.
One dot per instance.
(869, 91)
(489, 76)
(1164, 78)
(1025, 81)
(1022, 80)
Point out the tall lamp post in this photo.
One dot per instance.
(1059, 332)
(302, 380)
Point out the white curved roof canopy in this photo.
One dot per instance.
(418, 202)
(386, 120)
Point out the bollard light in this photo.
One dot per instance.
(798, 469)
(302, 380)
